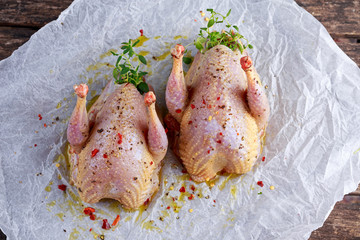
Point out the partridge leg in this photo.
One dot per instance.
(78, 127)
(176, 92)
(157, 139)
(257, 100)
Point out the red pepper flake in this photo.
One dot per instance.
(183, 171)
(190, 122)
(62, 187)
(208, 151)
(182, 189)
(263, 159)
(168, 207)
(92, 216)
(208, 83)
(191, 197)
(192, 187)
(220, 133)
(192, 106)
(105, 224)
(151, 163)
(214, 201)
(147, 201)
(116, 221)
(218, 98)
(178, 111)
(218, 141)
(45, 125)
(204, 101)
(209, 106)
(141, 32)
(94, 152)
(166, 130)
(40, 117)
(90, 230)
(120, 138)
(89, 210)
(260, 183)
(105, 155)
(35, 145)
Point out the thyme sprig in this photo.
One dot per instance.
(125, 72)
(229, 37)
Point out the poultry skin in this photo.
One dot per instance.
(218, 112)
(116, 148)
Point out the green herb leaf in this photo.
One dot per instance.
(228, 13)
(126, 50)
(113, 53)
(142, 59)
(143, 87)
(117, 61)
(124, 70)
(250, 46)
(142, 74)
(115, 73)
(131, 52)
(134, 44)
(133, 82)
(198, 46)
(229, 38)
(210, 23)
(240, 48)
(199, 42)
(187, 60)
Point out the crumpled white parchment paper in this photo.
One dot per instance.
(312, 137)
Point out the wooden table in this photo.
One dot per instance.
(19, 19)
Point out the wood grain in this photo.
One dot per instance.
(11, 38)
(357, 192)
(30, 13)
(343, 222)
(341, 17)
(352, 50)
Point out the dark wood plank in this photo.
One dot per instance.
(343, 222)
(357, 192)
(11, 38)
(33, 13)
(352, 50)
(341, 17)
